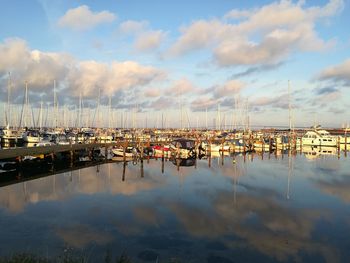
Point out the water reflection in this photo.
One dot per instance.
(255, 207)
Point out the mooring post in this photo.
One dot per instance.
(141, 167)
(106, 152)
(124, 166)
(346, 143)
(162, 165)
(71, 158)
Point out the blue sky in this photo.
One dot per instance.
(156, 54)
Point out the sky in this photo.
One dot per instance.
(182, 60)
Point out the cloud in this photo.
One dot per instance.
(280, 101)
(146, 39)
(162, 103)
(82, 18)
(36, 67)
(90, 76)
(133, 27)
(154, 92)
(181, 87)
(223, 94)
(262, 36)
(325, 90)
(228, 89)
(73, 77)
(257, 69)
(149, 41)
(204, 103)
(338, 74)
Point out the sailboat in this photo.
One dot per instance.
(9, 134)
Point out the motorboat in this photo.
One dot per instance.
(183, 148)
(319, 138)
(31, 136)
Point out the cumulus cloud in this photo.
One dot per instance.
(36, 67)
(149, 40)
(204, 103)
(223, 94)
(338, 74)
(280, 101)
(153, 92)
(162, 103)
(229, 89)
(146, 39)
(72, 76)
(181, 87)
(82, 18)
(262, 36)
(133, 27)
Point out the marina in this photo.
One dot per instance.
(174, 131)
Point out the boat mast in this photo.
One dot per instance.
(41, 115)
(289, 108)
(8, 101)
(54, 104)
(219, 118)
(206, 118)
(109, 111)
(26, 102)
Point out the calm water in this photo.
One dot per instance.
(256, 209)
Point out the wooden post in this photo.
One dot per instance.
(162, 164)
(124, 166)
(244, 147)
(141, 167)
(106, 152)
(346, 143)
(71, 158)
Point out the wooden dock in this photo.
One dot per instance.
(52, 149)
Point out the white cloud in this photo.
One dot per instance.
(74, 77)
(133, 27)
(181, 87)
(146, 39)
(153, 92)
(203, 103)
(36, 67)
(82, 18)
(149, 40)
(261, 36)
(229, 89)
(338, 74)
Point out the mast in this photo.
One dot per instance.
(26, 102)
(41, 115)
(54, 104)
(109, 111)
(289, 108)
(8, 101)
(219, 118)
(206, 118)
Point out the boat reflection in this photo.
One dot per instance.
(184, 162)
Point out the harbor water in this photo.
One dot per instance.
(233, 208)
